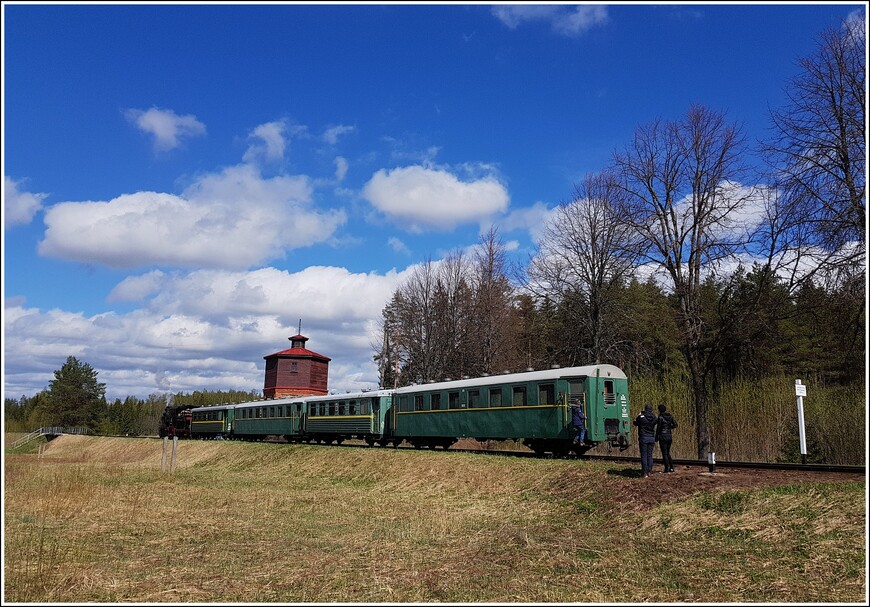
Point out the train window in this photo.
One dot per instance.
(271, 411)
(519, 394)
(609, 394)
(364, 407)
(332, 408)
(418, 402)
(322, 408)
(474, 399)
(351, 408)
(341, 408)
(435, 402)
(546, 394)
(453, 400)
(404, 403)
(495, 397)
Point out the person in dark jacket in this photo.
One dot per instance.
(578, 420)
(664, 436)
(646, 438)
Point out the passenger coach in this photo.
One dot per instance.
(533, 407)
(212, 421)
(363, 415)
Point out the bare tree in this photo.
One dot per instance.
(493, 305)
(818, 151)
(585, 254)
(814, 233)
(427, 326)
(681, 197)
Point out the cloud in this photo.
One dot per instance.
(207, 329)
(420, 198)
(398, 246)
(136, 288)
(167, 127)
(565, 20)
(232, 219)
(19, 207)
(332, 134)
(270, 142)
(340, 168)
(532, 218)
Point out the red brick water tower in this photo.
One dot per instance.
(296, 372)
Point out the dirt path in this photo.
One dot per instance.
(688, 480)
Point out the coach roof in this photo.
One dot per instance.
(605, 371)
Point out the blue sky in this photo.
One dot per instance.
(183, 183)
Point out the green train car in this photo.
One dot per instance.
(533, 407)
(278, 417)
(212, 421)
(337, 417)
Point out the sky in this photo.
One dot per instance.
(184, 183)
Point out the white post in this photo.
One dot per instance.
(172, 461)
(711, 461)
(163, 461)
(801, 391)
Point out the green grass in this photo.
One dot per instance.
(95, 520)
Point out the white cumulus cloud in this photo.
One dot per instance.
(19, 207)
(269, 143)
(207, 329)
(167, 127)
(232, 219)
(421, 198)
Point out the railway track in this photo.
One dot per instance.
(624, 459)
(680, 462)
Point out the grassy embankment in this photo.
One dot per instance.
(95, 520)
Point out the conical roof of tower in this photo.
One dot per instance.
(298, 352)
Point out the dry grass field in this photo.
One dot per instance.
(95, 520)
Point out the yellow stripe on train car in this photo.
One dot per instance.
(313, 417)
(466, 408)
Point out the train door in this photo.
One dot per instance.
(577, 395)
(229, 425)
(377, 420)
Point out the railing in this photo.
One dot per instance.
(49, 431)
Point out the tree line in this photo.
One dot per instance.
(666, 262)
(75, 398)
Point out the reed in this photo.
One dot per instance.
(756, 420)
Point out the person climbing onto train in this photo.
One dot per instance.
(664, 436)
(646, 437)
(578, 420)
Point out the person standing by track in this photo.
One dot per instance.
(664, 436)
(646, 437)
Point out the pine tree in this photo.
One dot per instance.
(74, 396)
